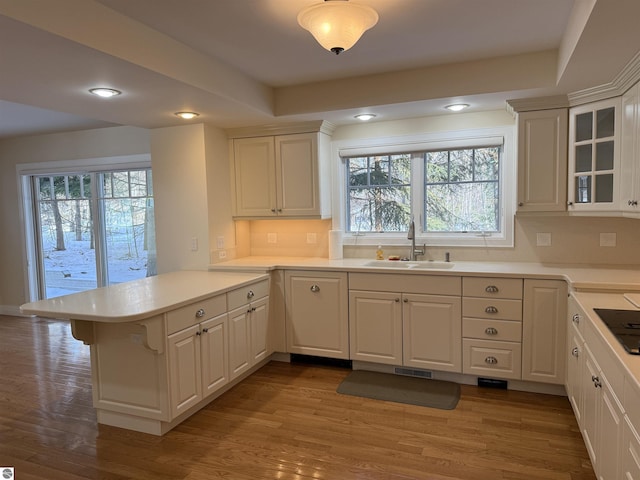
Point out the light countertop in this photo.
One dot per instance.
(139, 299)
(587, 277)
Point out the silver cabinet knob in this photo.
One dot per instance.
(250, 294)
(273, 210)
(575, 351)
(491, 289)
(200, 313)
(596, 381)
(397, 300)
(576, 318)
(491, 360)
(491, 309)
(406, 300)
(315, 288)
(521, 204)
(491, 331)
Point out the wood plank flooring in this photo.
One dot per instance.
(284, 422)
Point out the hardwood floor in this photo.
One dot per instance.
(284, 422)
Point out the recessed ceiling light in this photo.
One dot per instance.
(187, 115)
(365, 116)
(456, 107)
(105, 92)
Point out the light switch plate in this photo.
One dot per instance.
(543, 239)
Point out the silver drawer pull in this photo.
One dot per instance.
(315, 288)
(575, 352)
(491, 331)
(491, 360)
(491, 289)
(200, 313)
(576, 318)
(491, 309)
(250, 294)
(596, 381)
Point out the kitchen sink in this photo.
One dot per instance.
(398, 264)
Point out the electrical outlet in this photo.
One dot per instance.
(220, 242)
(194, 244)
(311, 238)
(222, 254)
(543, 240)
(607, 239)
(272, 238)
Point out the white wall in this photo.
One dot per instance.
(88, 144)
(179, 170)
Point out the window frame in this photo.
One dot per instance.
(448, 140)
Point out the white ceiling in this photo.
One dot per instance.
(246, 62)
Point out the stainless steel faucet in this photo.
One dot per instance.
(412, 236)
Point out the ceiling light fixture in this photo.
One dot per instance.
(105, 92)
(337, 24)
(365, 116)
(456, 107)
(187, 115)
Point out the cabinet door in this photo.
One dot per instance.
(610, 433)
(594, 157)
(239, 341)
(542, 160)
(259, 322)
(432, 332)
(297, 182)
(630, 151)
(375, 327)
(317, 314)
(591, 406)
(544, 331)
(254, 169)
(630, 452)
(184, 369)
(215, 362)
(574, 377)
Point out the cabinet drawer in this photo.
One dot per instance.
(492, 308)
(487, 329)
(383, 282)
(492, 287)
(197, 312)
(249, 293)
(495, 359)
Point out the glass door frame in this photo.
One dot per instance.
(28, 209)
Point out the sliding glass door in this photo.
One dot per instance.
(92, 229)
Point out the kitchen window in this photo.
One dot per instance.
(458, 191)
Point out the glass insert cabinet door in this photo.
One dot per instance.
(594, 161)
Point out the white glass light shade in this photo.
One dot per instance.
(337, 24)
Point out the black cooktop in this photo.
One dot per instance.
(625, 326)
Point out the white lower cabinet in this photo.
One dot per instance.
(544, 332)
(492, 327)
(375, 327)
(594, 386)
(248, 336)
(431, 332)
(317, 313)
(405, 328)
(198, 363)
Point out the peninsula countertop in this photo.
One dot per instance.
(621, 278)
(140, 299)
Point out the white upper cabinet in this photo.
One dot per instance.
(282, 176)
(630, 152)
(542, 160)
(594, 158)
